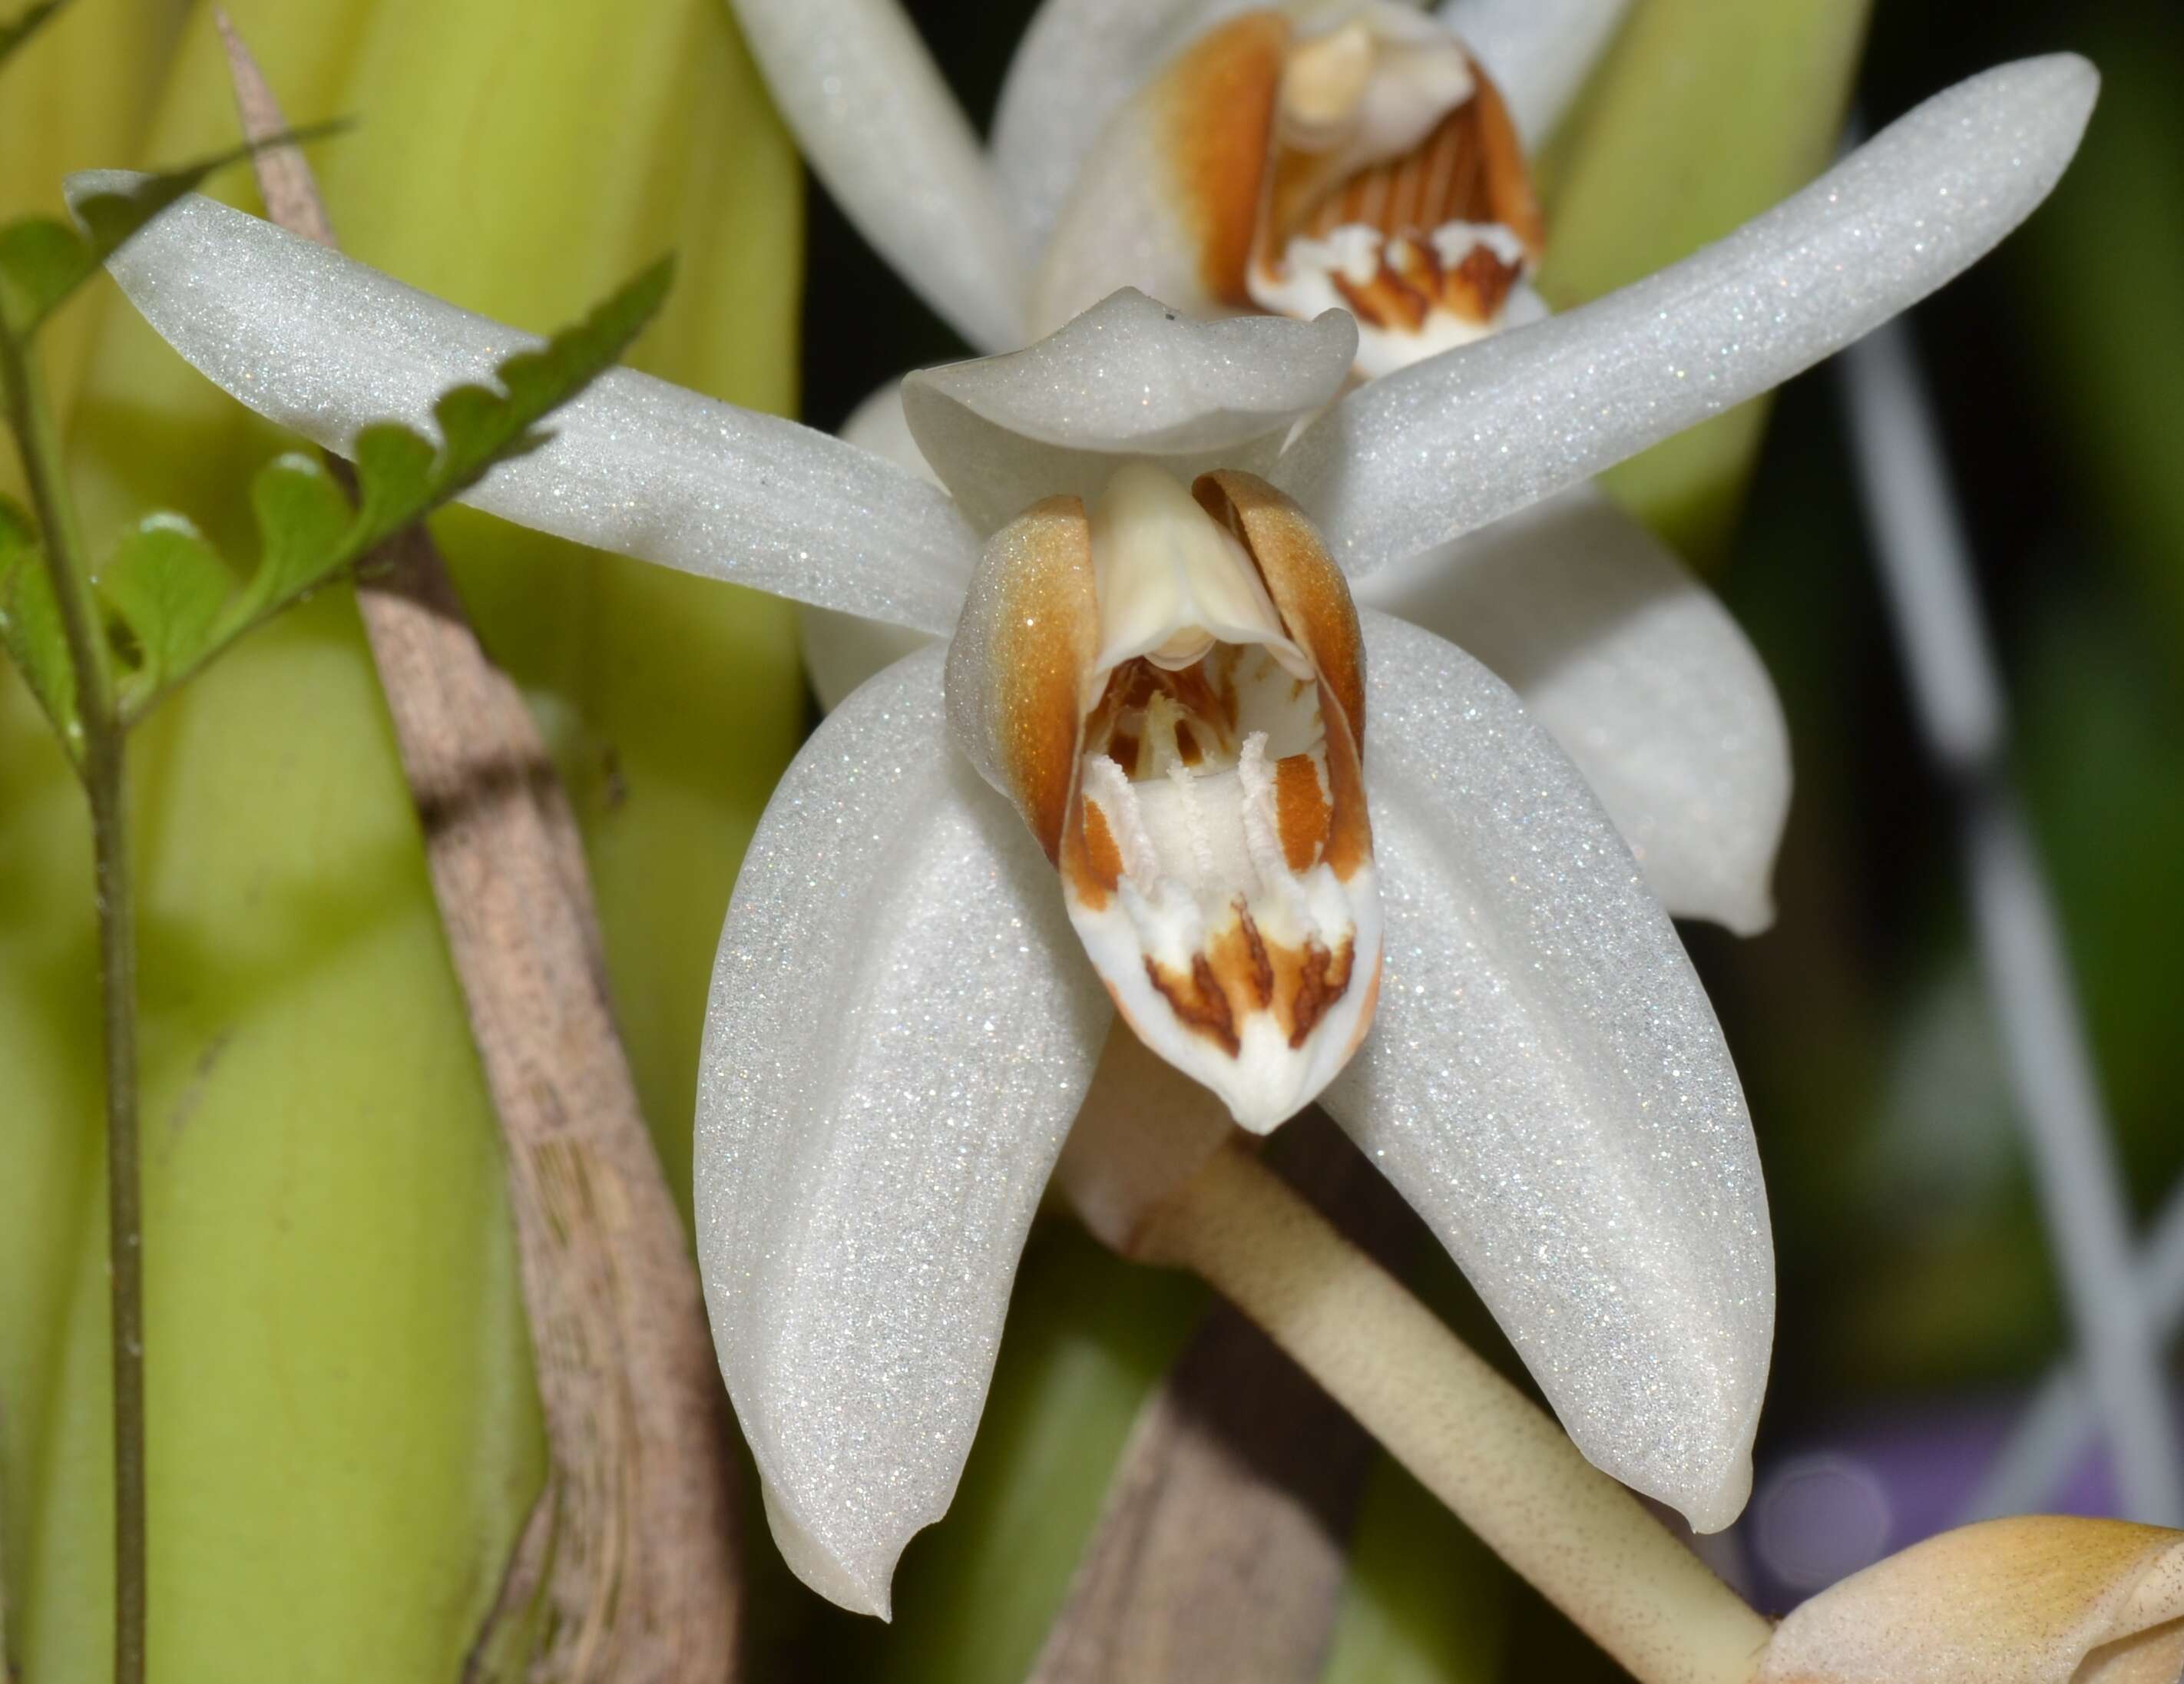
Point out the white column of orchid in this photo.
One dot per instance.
(1925, 564)
(861, 1215)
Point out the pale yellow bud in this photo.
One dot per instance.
(2041, 1600)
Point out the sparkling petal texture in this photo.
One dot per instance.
(1077, 62)
(1546, 1084)
(322, 344)
(1639, 672)
(841, 650)
(1539, 51)
(900, 1030)
(883, 131)
(1128, 378)
(1440, 449)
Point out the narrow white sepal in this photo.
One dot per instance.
(886, 136)
(841, 650)
(1421, 456)
(1539, 51)
(1546, 1083)
(323, 345)
(1128, 378)
(1639, 672)
(900, 1030)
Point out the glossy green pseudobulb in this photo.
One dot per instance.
(344, 1431)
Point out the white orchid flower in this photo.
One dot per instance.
(1289, 158)
(902, 1024)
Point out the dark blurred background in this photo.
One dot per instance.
(1918, 1303)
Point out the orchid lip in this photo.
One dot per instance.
(1169, 687)
(1394, 187)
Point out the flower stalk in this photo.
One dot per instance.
(1474, 1440)
(97, 747)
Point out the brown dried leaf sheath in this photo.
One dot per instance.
(632, 1543)
(1221, 1555)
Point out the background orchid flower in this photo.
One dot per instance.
(901, 1031)
(1292, 159)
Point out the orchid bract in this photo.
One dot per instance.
(1225, 774)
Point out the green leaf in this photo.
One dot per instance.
(302, 519)
(394, 474)
(43, 260)
(25, 23)
(31, 628)
(167, 585)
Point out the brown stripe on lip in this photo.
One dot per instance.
(1302, 813)
(1469, 168)
(1199, 1002)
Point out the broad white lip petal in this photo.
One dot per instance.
(2034, 1599)
(1539, 51)
(1546, 1084)
(323, 345)
(1128, 378)
(1077, 61)
(1639, 672)
(881, 130)
(899, 1033)
(1442, 447)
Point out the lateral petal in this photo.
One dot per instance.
(884, 132)
(1546, 1084)
(1539, 51)
(899, 1033)
(323, 345)
(1128, 378)
(1443, 447)
(1639, 672)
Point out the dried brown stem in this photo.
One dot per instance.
(632, 1547)
(1221, 1554)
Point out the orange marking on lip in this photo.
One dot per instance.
(1301, 811)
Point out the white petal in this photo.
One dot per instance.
(322, 344)
(841, 650)
(1445, 446)
(1128, 378)
(1078, 62)
(888, 138)
(900, 1030)
(1546, 1084)
(1638, 670)
(1539, 51)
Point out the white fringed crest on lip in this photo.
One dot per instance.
(1170, 689)
(860, 1217)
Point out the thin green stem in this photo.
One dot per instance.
(99, 757)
